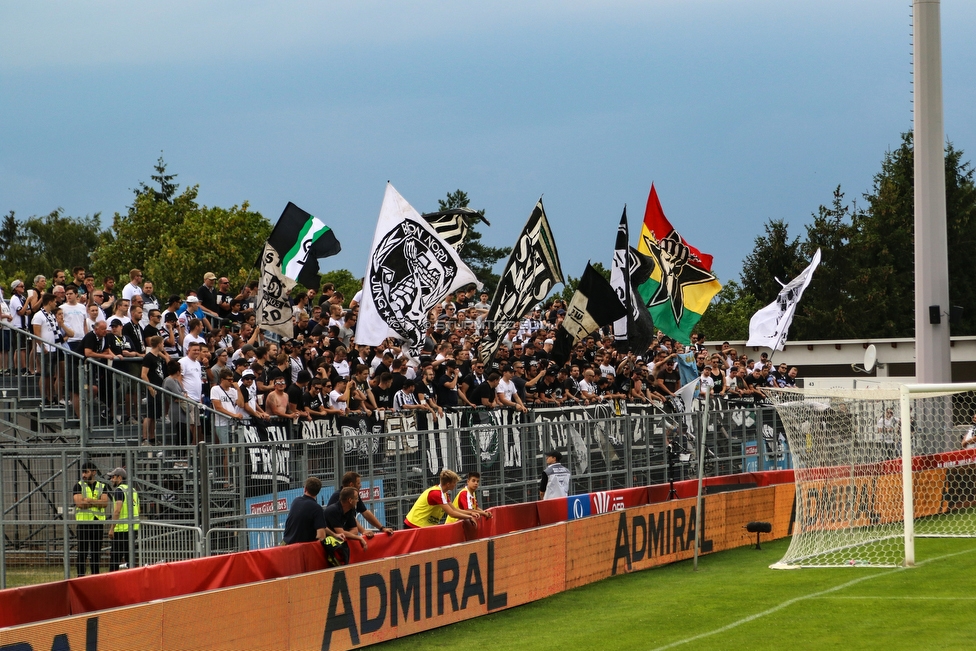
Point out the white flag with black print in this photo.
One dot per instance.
(768, 326)
(410, 270)
(530, 274)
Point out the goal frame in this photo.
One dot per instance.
(909, 396)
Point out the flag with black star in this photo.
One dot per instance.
(681, 285)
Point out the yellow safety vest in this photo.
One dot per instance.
(423, 514)
(472, 503)
(90, 513)
(124, 513)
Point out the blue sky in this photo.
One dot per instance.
(738, 111)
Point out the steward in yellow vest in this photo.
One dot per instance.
(119, 533)
(90, 498)
(435, 502)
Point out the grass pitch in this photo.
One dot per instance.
(734, 601)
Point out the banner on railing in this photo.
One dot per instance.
(266, 463)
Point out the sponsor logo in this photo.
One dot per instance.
(606, 501)
(420, 592)
(649, 534)
(267, 506)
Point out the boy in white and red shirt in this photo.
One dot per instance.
(467, 498)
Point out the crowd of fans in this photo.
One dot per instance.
(206, 346)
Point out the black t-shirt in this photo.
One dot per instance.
(208, 298)
(446, 397)
(384, 397)
(472, 385)
(274, 373)
(296, 396)
(484, 390)
(671, 379)
(157, 369)
(336, 519)
(150, 331)
(304, 518)
(133, 335)
(350, 518)
(93, 343)
(311, 401)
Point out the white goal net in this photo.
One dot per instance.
(857, 454)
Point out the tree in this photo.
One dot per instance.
(773, 256)
(479, 257)
(175, 241)
(344, 282)
(828, 310)
(727, 317)
(167, 189)
(40, 245)
(573, 283)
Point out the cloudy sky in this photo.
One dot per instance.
(738, 111)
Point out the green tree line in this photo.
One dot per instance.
(865, 284)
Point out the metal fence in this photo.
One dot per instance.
(211, 499)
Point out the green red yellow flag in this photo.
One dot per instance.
(681, 285)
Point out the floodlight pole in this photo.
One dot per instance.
(932, 359)
(701, 470)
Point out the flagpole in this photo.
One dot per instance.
(701, 471)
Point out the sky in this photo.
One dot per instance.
(739, 112)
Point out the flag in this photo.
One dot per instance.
(453, 224)
(636, 330)
(594, 305)
(410, 270)
(681, 284)
(530, 274)
(300, 239)
(290, 256)
(768, 326)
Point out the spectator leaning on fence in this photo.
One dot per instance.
(354, 480)
(306, 520)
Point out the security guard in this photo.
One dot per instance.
(91, 498)
(124, 509)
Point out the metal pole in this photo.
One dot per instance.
(932, 359)
(130, 467)
(65, 532)
(701, 472)
(3, 535)
(204, 473)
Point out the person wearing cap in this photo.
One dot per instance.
(191, 310)
(249, 397)
(507, 395)
(207, 295)
(90, 497)
(20, 318)
(555, 480)
(125, 507)
(544, 390)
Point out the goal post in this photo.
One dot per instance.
(876, 468)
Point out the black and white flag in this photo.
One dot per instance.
(530, 274)
(410, 270)
(631, 269)
(768, 326)
(291, 256)
(453, 224)
(594, 305)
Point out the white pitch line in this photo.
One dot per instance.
(790, 602)
(905, 598)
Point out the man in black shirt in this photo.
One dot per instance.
(667, 379)
(339, 514)
(447, 385)
(354, 480)
(384, 392)
(470, 384)
(485, 393)
(306, 519)
(296, 395)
